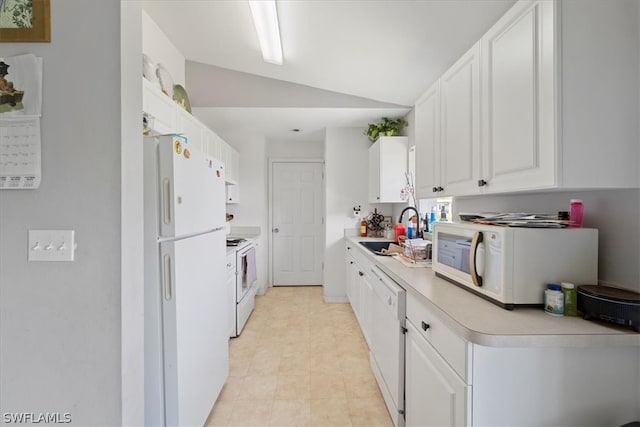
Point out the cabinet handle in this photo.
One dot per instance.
(425, 326)
(482, 183)
(440, 189)
(348, 248)
(350, 262)
(360, 273)
(378, 198)
(434, 189)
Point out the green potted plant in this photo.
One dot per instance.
(388, 127)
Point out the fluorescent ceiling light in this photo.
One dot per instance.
(265, 19)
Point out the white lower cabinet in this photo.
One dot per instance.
(434, 394)
(359, 290)
(452, 382)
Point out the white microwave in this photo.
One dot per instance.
(512, 266)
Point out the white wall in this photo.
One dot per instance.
(346, 186)
(161, 50)
(132, 244)
(60, 328)
(295, 150)
(252, 211)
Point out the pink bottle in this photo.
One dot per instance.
(576, 211)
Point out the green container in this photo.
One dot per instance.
(570, 299)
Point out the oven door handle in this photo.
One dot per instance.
(476, 258)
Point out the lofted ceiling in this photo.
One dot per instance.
(384, 51)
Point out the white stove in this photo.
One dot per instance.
(245, 283)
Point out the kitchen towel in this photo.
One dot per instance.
(252, 274)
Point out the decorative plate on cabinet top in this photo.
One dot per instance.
(181, 97)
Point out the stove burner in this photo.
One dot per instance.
(234, 242)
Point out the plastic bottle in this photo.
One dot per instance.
(576, 210)
(432, 220)
(554, 300)
(363, 228)
(409, 229)
(570, 299)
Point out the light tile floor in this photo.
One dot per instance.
(300, 362)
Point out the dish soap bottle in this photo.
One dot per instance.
(432, 219)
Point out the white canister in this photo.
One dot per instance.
(554, 300)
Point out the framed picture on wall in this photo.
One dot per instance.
(25, 21)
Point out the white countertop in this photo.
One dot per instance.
(484, 323)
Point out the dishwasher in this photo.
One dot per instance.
(388, 311)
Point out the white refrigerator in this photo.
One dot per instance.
(186, 311)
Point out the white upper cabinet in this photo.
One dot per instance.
(191, 127)
(427, 143)
(559, 104)
(165, 116)
(387, 169)
(460, 125)
(160, 109)
(231, 159)
(519, 147)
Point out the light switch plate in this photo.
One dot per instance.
(51, 245)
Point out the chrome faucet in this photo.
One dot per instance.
(418, 234)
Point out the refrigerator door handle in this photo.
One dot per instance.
(168, 281)
(166, 201)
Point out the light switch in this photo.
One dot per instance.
(51, 245)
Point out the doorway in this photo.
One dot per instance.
(297, 222)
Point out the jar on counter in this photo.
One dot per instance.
(554, 300)
(570, 297)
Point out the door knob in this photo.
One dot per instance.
(276, 230)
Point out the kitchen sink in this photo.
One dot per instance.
(377, 246)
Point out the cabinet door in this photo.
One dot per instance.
(460, 125)
(231, 292)
(427, 140)
(354, 272)
(393, 167)
(233, 194)
(190, 127)
(434, 394)
(374, 172)
(235, 165)
(518, 73)
(387, 169)
(161, 109)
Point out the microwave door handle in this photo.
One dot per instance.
(477, 251)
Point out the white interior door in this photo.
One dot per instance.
(297, 223)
